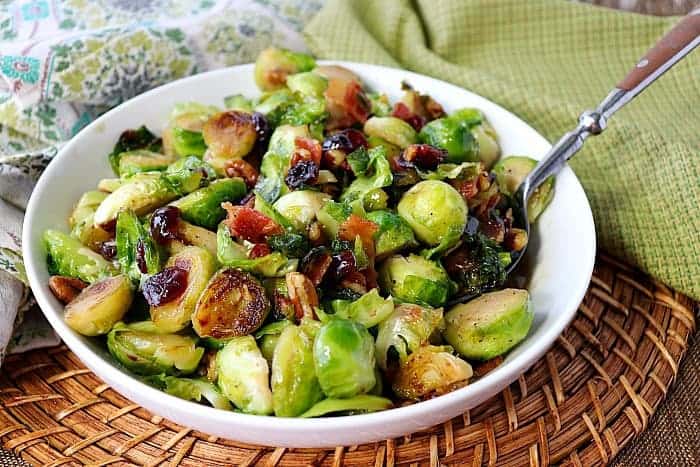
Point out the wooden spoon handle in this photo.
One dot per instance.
(684, 35)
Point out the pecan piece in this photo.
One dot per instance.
(65, 289)
(303, 295)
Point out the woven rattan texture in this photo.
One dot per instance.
(579, 405)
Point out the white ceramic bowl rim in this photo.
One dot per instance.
(138, 390)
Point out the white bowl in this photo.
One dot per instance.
(562, 253)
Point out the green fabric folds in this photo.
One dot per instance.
(547, 61)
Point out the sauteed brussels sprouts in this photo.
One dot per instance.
(296, 249)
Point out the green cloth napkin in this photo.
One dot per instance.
(546, 61)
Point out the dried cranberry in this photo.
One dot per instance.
(305, 172)
(164, 224)
(343, 263)
(402, 111)
(424, 156)
(141, 257)
(262, 128)
(315, 264)
(346, 140)
(108, 249)
(165, 286)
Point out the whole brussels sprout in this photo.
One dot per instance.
(200, 266)
(233, 304)
(147, 353)
(295, 387)
(274, 65)
(301, 207)
(363, 403)
(99, 306)
(307, 84)
(435, 211)
(431, 371)
(243, 376)
(391, 129)
(450, 135)
(414, 279)
(404, 331)
(489, 325)
(203, 207)
(344, 359)
(510, 173)
(68, 257)
(394, 233)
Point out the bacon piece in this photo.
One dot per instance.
(315, 264)
(249, 224)
(354, 226)
(259, 250)
(402, 111)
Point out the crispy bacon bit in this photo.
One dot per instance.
(515, 239)
(424, 156)
(346, 103)
(487, 366)
(315, 264)
(64, 288)
(354, 226)
(249, 224)
(303, 295)
(259, 250)
(242, 169)
(402, 111)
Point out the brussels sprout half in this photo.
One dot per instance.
(82, 221)
(233, 304)
(141, 195)
(404, 331)
(148, 353)
(489, 325)
(391, 129)
(363, 403)
(511, 171)
(99, 306)
(431, 371)
(414, 279)
(307, 84)
(200, 266)
(301, 207)
(295, 387)
(368, 310)
(228, 135)
(68, 257)
(243, 376)
(435, 211)
(344, 359)
(142, 160)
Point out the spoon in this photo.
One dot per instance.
(675, 45)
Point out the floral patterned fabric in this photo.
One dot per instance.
(64, 62)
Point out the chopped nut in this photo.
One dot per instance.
(303, 295)
(65, 289)
(242, 169)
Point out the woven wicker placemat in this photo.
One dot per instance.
(579, 405)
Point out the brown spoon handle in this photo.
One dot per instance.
(665, 53)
